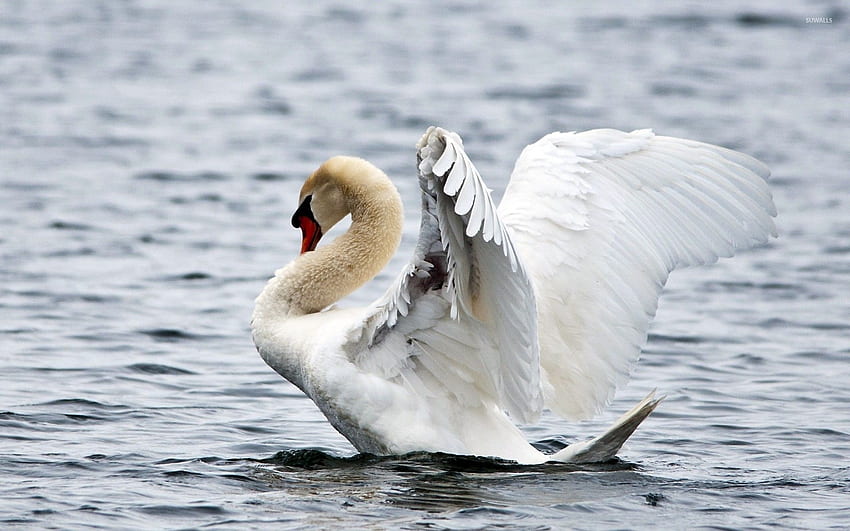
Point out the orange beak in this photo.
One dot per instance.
(311, 233)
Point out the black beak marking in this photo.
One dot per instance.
(303, 210)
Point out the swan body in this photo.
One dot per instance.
(543, 302)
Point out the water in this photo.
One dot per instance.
(150, 157)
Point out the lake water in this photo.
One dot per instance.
(150, 158)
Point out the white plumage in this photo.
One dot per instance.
(543, 302)
(601, 218)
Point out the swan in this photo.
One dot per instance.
(542, 302)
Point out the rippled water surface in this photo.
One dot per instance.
(150, 157)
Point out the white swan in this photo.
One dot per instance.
(544, 302)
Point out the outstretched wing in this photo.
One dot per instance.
(461, 318)
(600, 219)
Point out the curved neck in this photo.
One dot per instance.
(317, 279)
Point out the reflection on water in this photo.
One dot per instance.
(440, 483)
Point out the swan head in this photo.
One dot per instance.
(321, 204)
(336, 189)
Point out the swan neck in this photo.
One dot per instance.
(317, 279)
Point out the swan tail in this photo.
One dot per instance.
(606, 446)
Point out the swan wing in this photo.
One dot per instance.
(460, 320)
(600, 219)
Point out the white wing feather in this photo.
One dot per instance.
(600, 219)
(461, 318)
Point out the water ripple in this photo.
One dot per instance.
(153, 153)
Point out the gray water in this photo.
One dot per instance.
(150, 157)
